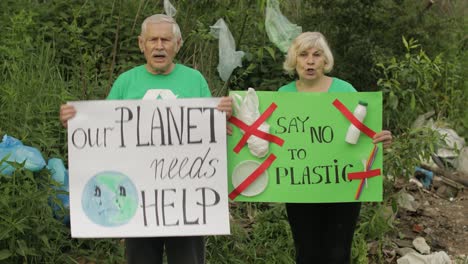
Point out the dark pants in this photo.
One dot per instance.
(179, 250)
(323, 233)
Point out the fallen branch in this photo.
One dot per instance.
(452, 177)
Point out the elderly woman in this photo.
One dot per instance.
(322, 232)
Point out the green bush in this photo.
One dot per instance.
(29, 232)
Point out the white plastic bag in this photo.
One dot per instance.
(279, 30)
(229, 58)
(169, 8)
(247, 111)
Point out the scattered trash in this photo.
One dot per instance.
(417, 228)
(60, 175)
(404, 243)
(450, 149)
(407, 201)
(424, 176)
(423, 119)
(420, 245)
(415, 258)
(429, 211)
(404, 251)
(417, 182)
(447, 191)
(462, 161)
(229, 58)
(13, 150)
(453, 142)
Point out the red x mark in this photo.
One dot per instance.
(362, 175)
(369, 132)
(253, 129)
(252, 177)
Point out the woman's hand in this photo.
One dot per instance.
(383, 136)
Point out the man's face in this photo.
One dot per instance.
(160, 46)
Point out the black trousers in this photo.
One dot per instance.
(323, 233)
(179, 250)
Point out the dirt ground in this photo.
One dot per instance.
(442, 221)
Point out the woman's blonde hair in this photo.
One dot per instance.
(304, 42)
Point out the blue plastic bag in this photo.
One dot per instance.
(60, 175)
(424, 176)
(13, 150)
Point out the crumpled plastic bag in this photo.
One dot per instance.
(247, 111)
(452, 142)
(60, 175)
(415, 258)
(279, 30)
(169, 8)
(462, 161)
(229, 58)
(12, 149)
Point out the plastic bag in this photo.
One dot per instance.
(60, 175)
(247, 111)
(229, 58)
(15, 151)
(279, 30)
(415, 258)
(169, 8)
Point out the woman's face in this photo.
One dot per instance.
(310, 64)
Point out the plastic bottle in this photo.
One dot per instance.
(353, 133)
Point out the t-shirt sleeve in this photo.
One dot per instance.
(204, 89)
(116, 90)
(351, 88)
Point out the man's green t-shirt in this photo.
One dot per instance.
(183, 81)
(337, 85)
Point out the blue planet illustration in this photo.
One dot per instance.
(110, 199)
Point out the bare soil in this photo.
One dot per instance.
(442, 221)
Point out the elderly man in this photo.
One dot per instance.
(160, 40)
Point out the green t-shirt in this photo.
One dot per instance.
(337, 85)
(183, 81)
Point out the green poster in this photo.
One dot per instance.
(300, 153)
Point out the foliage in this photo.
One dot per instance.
(417, 84)
(360, 32)
(29, 232)
(414, 85)
(256, 230)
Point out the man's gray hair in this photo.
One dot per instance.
(161, 18)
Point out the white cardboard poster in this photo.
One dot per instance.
(142, 168)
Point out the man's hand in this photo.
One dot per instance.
(384, 136)
(225, 105)
(66, 113)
